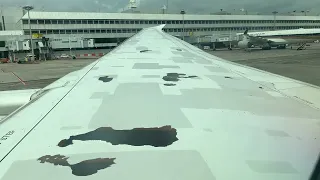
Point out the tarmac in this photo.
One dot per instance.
(302, 65)
(34, 76)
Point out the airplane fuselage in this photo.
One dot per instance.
(280, 38)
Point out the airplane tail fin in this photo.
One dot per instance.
(246, 32)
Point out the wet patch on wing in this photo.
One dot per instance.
(176, 77)
(183, 53)
(156, 137)
(278, 167)
(152, 66)
(266, 84)
(83, 168)
(169, 84)
(105, 78)
(139, 48)
(177, 48)
(95, 68)
(277, 133)
(238, 83)
(145, 50)
(150, 76)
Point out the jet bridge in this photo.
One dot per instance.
(217, 41)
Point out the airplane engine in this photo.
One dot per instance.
(244, 44)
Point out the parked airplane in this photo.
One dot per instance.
(279, 39)
(159, 108)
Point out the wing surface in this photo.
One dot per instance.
(159, 108)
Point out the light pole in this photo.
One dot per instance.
(29, 8)
(305, 12)
(133, 5)
(70, 45)
(1, 18)
(274, 19)
(183, 13)
(245, 11)
(167, 6)
(163, 9)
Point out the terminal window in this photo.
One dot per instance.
(2, 43)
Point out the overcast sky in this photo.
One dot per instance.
(191, 6)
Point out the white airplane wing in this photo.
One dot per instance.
(12, 100)
(258, 40)
(158, 108)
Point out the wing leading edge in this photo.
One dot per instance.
(157, 107)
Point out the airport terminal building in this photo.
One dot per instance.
(123, 25)
(104, 30)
